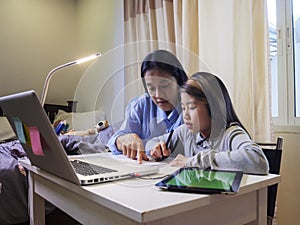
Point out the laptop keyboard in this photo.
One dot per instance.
(87, 169)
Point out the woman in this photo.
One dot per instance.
(212, 135)
(157, 111)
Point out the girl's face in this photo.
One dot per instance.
(162, 88)
(195, 115)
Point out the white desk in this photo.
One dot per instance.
(136, 201)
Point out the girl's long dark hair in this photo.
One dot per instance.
(211, 89)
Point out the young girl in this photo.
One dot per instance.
(212, 135)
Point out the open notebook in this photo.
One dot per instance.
(38, 138)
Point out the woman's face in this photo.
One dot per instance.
(162, 88)
(195, 115)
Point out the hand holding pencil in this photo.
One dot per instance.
(162, 150)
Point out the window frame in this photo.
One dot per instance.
(286, 120)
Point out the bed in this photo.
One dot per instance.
(13, 190)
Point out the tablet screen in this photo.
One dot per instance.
(192, 179)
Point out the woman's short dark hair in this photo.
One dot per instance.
(165, 61)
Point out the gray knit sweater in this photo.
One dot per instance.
(233, 150)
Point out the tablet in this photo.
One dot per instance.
(195, 180)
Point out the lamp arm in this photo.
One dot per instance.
(49, 76)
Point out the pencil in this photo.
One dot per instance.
(167, 144)
(169, 138)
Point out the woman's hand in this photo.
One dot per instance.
(160, 151)
(179, 161)
(132, 146)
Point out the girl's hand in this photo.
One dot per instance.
(160, 151)
(179, 161)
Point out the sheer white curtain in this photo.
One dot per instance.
(228, 38)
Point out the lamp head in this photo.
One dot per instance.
(88, 58)
(50, 74)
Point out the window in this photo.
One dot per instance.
(284, 30)
(296, 41)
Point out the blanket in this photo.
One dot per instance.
(13, 192)
(94, 143)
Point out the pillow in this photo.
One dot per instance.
(80, 121)
(6, 132)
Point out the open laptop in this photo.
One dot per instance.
(38, 138)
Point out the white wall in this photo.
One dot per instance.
(35, 36)
(38, 35)
(100, 25)
(289, 191)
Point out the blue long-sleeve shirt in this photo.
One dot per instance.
(147, 120)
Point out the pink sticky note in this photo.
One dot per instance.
(35, 140)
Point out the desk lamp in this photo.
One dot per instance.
(51, 73)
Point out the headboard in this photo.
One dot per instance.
(52, 109)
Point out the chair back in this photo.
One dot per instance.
(273, 152)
